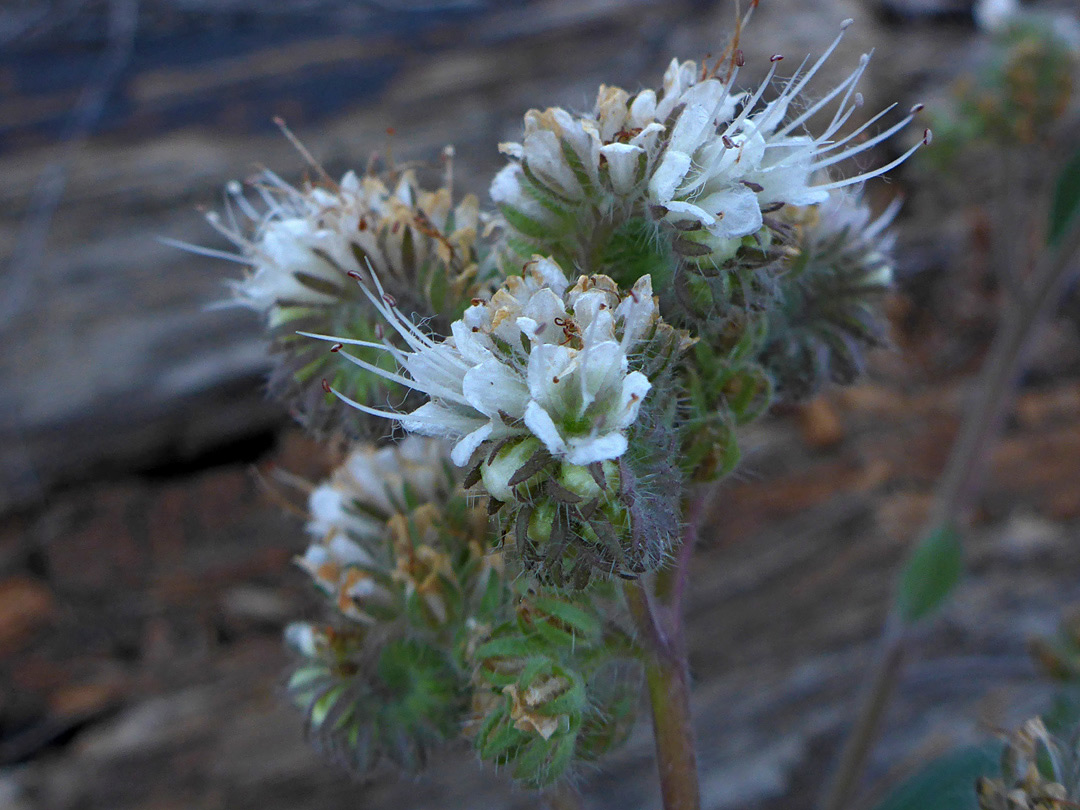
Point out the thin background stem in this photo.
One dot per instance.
(964, 474)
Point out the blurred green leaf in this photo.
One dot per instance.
(931, 573)
(1064, 714)
(947, 783)
(1066, 203)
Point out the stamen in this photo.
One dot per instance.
(280, 123)
(877, 172)
(864, 145)
(202, 251)
(849, 84)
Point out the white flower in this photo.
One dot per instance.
(371, 485)
(721, 170)
(698, 154)
(305, 244)
(349, 515)
(539, 359)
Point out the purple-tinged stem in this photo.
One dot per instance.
(659, 620)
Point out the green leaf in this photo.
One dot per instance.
(931, 573)
(320, 709)
(947, 783)
(1064, 714)
(579, 619)
(508, 647)
(1065, 205)
(524, 224)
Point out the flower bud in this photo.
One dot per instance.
(550, 690)
(829, 314)
(365, 700)
(509, 464)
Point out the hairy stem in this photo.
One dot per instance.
(959, 485)
(669, 694)
(676, 759)
(659, 620)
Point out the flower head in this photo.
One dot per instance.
(828, 312)
(539, 359)
(700, 155)
(540, 388)
(304, 244)
(360, 535)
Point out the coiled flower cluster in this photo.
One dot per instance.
(1039, 772)
(305, 246)
(402, 557)
(565, 369)
(428, 641)
(708, 161)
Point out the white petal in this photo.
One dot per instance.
(475, 347)
(637, 312)
(585, 143)
(544, 157)
(551, 275)
(506, 190)
(539, 422)
(623, 160)
(549, 362)
(434, 419)
(635, 387)
(589, 304)
(478, 316)
(465, 448)
(347, 552)
(599, 448)
(541, 313)
(679, 211)
(737, 210)
(603, 366)
(646, 139)
(693, 123)
(492, 387)
(643, 108)
(668, 175)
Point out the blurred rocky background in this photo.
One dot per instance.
(145, 570)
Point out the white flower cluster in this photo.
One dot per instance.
(541, 358)
(350, 513)
(305, 244)
(698, 154)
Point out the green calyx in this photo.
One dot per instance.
(361, 710)
(550, 691)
